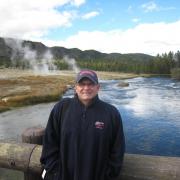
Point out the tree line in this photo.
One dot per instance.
(160, 64)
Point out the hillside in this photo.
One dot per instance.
(14, 49)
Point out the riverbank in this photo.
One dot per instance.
(20, 88)
(25, 87)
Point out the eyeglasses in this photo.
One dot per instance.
(83, 84)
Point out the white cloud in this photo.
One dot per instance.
(150, 6)
(135, 20)
(144, 38)
(33, 19)
(78, 2)
(90, 15)
(28, 19)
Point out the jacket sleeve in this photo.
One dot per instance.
(117, 148)
(51, 141)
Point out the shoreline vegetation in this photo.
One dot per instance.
(175, 73)
(24, 87)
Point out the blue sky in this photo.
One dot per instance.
(117, 14)
(129, 26)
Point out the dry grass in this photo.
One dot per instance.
(18, 91)
(116, 75)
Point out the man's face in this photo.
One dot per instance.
(86, 90)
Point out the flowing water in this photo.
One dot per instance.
(150, 109)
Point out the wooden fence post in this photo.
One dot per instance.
(33, 135)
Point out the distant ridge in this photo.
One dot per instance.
(16, 48)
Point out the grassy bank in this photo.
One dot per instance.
(27, 90)
(20, 88)
(115, 75)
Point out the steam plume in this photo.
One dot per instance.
(25, 57)
(72, 63)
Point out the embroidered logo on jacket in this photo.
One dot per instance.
(99, 125)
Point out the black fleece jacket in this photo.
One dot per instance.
(83, 143)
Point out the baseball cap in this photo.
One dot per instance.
(91, 75)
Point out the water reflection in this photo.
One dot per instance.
(13, 123)
(156, 97)
(152, 116)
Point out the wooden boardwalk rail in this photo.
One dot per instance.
(25, 157)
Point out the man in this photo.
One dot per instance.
(84, 137)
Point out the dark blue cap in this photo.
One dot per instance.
(91, 75)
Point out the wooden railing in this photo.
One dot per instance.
(25, 157)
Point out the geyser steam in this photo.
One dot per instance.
(24, 57)
(72, 63)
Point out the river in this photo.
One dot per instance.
(150, 109)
